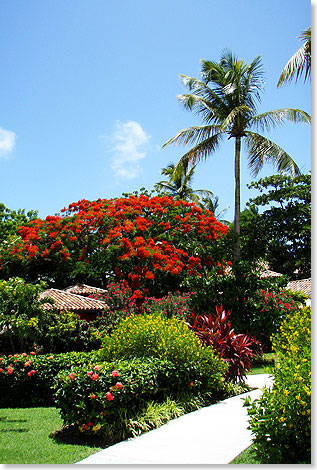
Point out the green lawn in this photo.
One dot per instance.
(246, 457)
(24, 441)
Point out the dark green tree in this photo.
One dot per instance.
(226, 99)
(10, 220)
(283, 230)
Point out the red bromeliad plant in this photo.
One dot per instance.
(236, 349)
(148, 241)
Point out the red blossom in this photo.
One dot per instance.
(109, 396)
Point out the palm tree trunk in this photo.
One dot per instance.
(236, 225)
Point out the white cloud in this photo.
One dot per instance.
(128, 145)
(7, 142)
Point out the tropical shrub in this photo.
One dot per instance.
(258, 305)
(65, 331)
(106, 396)
(172, 305)
(281, 419)
(27, 379)
(24, 323)
(21, 314)
(165, 338)
(151, 242)
(237, 350)
(121, 301)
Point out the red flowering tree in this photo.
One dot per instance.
(152, 242)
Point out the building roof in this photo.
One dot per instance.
(303, 285)
(74, 302)
(83, 289)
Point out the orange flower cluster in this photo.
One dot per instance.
(140, 235)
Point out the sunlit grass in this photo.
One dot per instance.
(25, 438)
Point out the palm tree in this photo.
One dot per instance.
(179, 183)
(226, 98)
(300, 62)
(212, 204)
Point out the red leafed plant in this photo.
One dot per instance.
(236, 349)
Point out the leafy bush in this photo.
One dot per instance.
(21, 314)
(65, 331)
(105, 397)
(172, 305)
(237, 350)
(165, 338)
(26, 379)
(258, 305)
(281, 419)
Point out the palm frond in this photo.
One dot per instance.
(271, 119)
(243, 110)
(193, 135)
(202, 150)
(299, 63)
(262, 150)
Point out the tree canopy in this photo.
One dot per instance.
(152, 242)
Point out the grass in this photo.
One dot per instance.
(25, 438)
(246, 457)
(37, 436)
(263, 364)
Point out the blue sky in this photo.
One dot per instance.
(88, 92)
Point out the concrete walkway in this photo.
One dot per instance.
(215, 434)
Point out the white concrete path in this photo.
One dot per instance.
(215, 434)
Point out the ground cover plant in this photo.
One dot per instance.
(281, 419)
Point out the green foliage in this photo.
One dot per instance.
(26, 379)
(283, 231)
(281, 419)
(153, 416)
(258, 304)
(165, 338)
(172, 305)
(10, 220)
(103, 398)
(21, 314)
(24, 324)
(64, 331)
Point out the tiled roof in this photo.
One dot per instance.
(269, 273)
(83, 289)
(75, 303)
(303, 285)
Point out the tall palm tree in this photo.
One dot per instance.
(226, 98)
(300, 62)
(179, 183)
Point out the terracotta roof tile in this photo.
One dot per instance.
(83, 289)
(66, 301)
(303, 285)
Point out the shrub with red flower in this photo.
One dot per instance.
(149, 241)
(237, 350)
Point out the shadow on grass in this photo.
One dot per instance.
(71, 435)
(6, 420)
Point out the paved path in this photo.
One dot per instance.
(215, 434)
